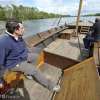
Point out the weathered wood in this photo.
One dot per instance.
(66, 34)
(84, 29)
(37, 91)
(97, 53)
(42, 37)
(79, 82)
(58, 60)
(66, 48)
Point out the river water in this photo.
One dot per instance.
(35, 26)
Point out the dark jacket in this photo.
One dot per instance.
(96, 31)
(12, 51)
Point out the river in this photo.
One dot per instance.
(36, 26)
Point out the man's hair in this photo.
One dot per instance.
(97, 20)
(12, 25)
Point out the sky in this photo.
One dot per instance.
(65, 7)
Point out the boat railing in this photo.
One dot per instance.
(42, 36)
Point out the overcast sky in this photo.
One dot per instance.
(58, 6)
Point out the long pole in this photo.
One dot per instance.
(78, 16)
(77, 23)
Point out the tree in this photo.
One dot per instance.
(24, 13)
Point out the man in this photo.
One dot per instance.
(96, 35)
(96, 30)
(93, 36)
(14, 54)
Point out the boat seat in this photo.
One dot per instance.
(11, 81)
(84, 29)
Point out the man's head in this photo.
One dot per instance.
(97, 20)
(14, 26)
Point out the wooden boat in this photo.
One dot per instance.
(61, 60)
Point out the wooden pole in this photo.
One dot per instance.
(78, 16)
(77, 22)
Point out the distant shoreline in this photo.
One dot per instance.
(53, 17)
(30, 13)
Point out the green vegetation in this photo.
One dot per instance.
(97, 14)
(24, 13)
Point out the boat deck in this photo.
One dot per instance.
(67, 48)
(32, 90)
(37, 91)
(80, 82)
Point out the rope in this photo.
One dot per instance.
(59, 20)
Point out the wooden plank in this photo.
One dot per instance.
(41, 37)
(37, 91)
(70, 31)
(97, 53)
(58, 60)
(84, 29)
(66, 34)
(79, 82)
